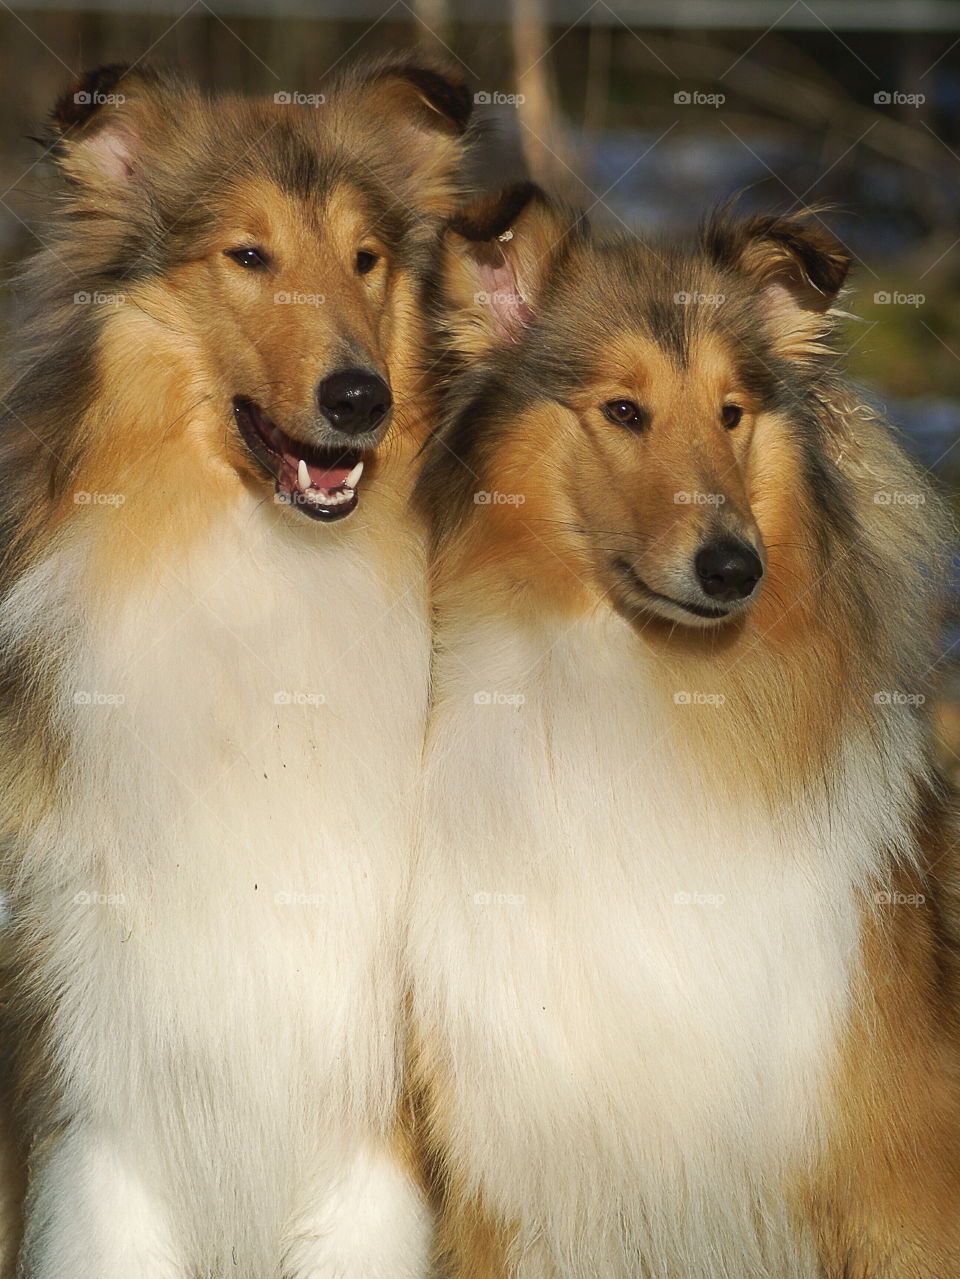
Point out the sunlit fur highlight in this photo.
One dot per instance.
(619, 1080)
(205, 871)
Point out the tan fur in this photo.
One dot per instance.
(807, 733)
(192, 541)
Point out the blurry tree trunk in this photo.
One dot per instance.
(434, 21)
(598, 76)
(541, 142)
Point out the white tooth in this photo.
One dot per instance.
(303, 475)
(354, 477)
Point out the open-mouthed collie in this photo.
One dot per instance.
(215, 654)
(683, 993)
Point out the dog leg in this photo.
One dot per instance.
(374, 1224)
(91, 1216)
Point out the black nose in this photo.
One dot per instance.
(354, 400)
(728, 570)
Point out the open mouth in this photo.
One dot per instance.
(320, 482)
(639, 586)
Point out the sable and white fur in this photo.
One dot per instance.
(214, 705)
(651, 973)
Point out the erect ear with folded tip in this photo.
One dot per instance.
(798, 267)
(95, 130)
(425, 109)
(498, 254)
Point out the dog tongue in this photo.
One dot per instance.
(320, 478)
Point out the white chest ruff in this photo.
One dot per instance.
(221, 878)
(637, 982)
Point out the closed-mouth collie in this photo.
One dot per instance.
(215, 654)
(680, 949)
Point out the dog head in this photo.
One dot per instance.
(642, 423)
(272, 252)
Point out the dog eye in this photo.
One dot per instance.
(366, 261)
(624, 413)
(252, 259)
(731, 415)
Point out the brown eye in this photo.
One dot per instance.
(731, 415)
(624, 413)
(366, 262)
(251, 258)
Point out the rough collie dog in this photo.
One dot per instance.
(215, 657)
(683, 985)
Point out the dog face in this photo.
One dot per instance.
(654, 410)
(282, 248)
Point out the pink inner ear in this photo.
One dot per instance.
(511, 310)
(779, 301)
(112, 150)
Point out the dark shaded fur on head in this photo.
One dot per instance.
(857, 582)
(192, 153)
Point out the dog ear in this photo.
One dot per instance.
(95, 128)
(497, 255)
(798, 267)
(423, 113)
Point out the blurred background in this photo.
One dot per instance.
(647, 112)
